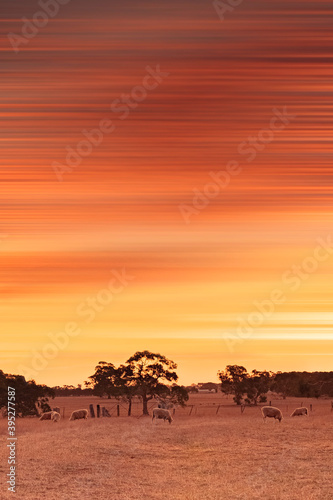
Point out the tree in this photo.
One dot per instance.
(304, 389)
(30, 398)
(179, 395)
(257, 386)
(151, 374)
(285, 383)
(176, 395)
(236, 380)
(113, 382)
(126, 389)
(233, 381)
(104, 380)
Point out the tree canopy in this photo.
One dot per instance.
(30, 398)
(145, 374)
(151, 375)
(233, 381)
(104, 380)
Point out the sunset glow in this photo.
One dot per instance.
(198, 221)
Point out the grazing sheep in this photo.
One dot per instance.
(76, 415)
(271, 412)
(299, 412)
(163, 414)
(55, 417)
(46, 416)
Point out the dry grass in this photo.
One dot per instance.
(225, 457)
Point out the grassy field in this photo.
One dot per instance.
(203, 456)
(203, 405)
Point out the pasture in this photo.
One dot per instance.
(223, 456)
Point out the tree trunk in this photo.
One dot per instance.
(129, 412)
(145, 405)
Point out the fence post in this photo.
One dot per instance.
(92, 412)
(118, 410)
(193, 405)
(217, 409)
(98, 411)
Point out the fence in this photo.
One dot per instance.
(119, 409)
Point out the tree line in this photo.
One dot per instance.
(151, 376)
(252, 388)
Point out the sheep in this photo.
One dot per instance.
(55, 416)
(271, 412)
(46, 416)
(163, 414)
(76, 415)
(299, 412)
(50, 415)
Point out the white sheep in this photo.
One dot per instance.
(271, 412)
(77, 414)
(46, 416)
(299, 412)
(163, 414)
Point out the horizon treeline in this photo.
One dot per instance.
(150, 376)
(252, 388)
(286, 384)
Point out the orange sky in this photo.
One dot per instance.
(192, 282)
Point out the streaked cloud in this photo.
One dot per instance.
(119, 208)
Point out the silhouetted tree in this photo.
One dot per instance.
(233, 381)
(179, 395)
(176, 395)
(304, 389)
(30, 398)
(125, 385)
(103, 381)
(257, 385)
(282, 384)
(150, 374)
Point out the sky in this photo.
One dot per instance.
(196, 220)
